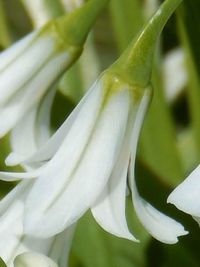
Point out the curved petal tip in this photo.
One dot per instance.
(186, 195)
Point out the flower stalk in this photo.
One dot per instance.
(136, 62)
(76, 25)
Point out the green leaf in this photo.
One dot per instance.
(188, 19)
(4, 32)
(2, 263)
(70, 84)
(126, 19)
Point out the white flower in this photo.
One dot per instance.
(30, 67)
(31, 259)
(186, 195)
(30, 133)
(86, 164)
(27, 70)
(14, 241)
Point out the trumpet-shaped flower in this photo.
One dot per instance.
(86, 166)
(32, 259)
(86, 162)
(14, 241)
(30, 67)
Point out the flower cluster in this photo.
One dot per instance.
(88, 163)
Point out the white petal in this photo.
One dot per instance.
(22, 138)
(24, 100)
(160, 226)
(90, 173)
(25, 67)
(11, 233)
(13, 241)
(29, 243)
(42, 127)
(31, 131)
(157, 224)
(15, 176)
(61, 246)
(53, 144)
(18, 192)
(33, 259)
(109, 209)
(11, 53)
(186, 195)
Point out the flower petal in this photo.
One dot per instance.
(52, 145)
(109, 209)
(157, 224)
(31, 132)
(61, 246)
(15, 176)
(160, 226)
(186, 195)
(29, 96)
(33, 58)
(11, 232)
(18, 192)
(43, 126)
(11, 53)
(90, 174)
(33, 259)
(22, 138)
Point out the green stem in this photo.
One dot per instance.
(136, 61)
(76, 26)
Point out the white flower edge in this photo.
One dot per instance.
(186, 195)
(33, 259)
(160, 226)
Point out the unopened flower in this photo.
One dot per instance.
(29, 68)
(32, 259)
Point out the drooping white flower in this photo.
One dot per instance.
(14, 241)
(31, 66)
(186, 195)
(86, 164)
(32, 259)
(27, 137)
(27, 70)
